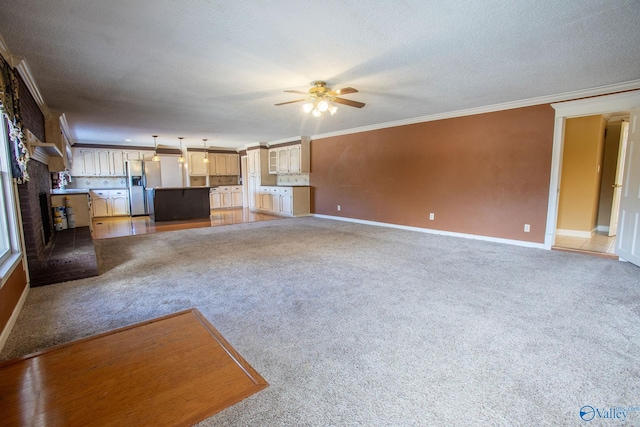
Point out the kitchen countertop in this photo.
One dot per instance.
(82, 190)
(69, 191)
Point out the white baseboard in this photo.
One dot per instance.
(14, 316)
(432, 231)
(576, 233)
(603, 229)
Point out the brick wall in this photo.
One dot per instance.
(32, 117)
(40, 182)
(29, 193)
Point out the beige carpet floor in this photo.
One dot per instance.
(360, 325)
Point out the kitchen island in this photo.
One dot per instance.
(177, 203)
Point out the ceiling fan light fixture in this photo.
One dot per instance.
(316, 113)
(307, 107)
(323, 105)
(332, 109)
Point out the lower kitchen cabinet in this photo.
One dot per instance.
(287, 201)
(109, 203)
(225, 197)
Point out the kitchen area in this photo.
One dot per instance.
(116, 190)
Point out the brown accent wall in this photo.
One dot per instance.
(10, 294)
(485, 174)
(581, 173)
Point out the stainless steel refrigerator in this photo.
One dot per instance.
(141, 175)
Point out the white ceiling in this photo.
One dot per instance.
(214, 69)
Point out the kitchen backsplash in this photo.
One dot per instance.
(293, 179)
(98, 182)
(223, 180)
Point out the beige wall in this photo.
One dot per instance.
(581, 173)
(609, 167)
(486, 174)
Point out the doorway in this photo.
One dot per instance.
(570, 109)
(591, 177)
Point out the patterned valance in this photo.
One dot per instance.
(10, 109)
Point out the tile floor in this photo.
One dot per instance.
(600, 243)
(104, 228)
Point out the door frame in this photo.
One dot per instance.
(564, 110)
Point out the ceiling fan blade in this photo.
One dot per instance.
(291, 102)
(343, 91)
(297, 91)
(349, 102)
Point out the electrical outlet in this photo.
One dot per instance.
(432, 216)
(527, 228)
(338, 207)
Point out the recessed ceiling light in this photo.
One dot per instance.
(128, 140)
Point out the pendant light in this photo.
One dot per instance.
(181, 158)
(155, 157)
(206, 152)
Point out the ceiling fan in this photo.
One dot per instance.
(320, 99)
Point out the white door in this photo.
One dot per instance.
(628, 240)
(617, 183)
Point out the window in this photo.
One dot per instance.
(9, 232)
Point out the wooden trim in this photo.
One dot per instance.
(113, 146)
(175, 151)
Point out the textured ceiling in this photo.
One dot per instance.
(214, 69)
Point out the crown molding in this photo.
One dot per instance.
(566, 96)
(21, 65)
(30, 81)
(64, 127)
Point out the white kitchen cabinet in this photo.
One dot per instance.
(293, 155)
(236, 196)
(266, 201)
(131, 155)
(98, 162)
(286, 200)
(117, 163)
(289, 201)
(100, 203)
(225, 197)
(109, 203)
(290, 158)
(119, 202)
(224, 164)
(253, 184)
(273, 161)
(88, 162)
(197, 166)
(215, 201)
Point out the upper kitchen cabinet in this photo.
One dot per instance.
(89, 161)
(197, 166)
(290, 157)
(224, 164)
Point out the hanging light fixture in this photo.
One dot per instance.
(181, 158)
(206, 152)
(155, 157)
(318, 105)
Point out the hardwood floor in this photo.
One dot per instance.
(174, 370)
(104, 228)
